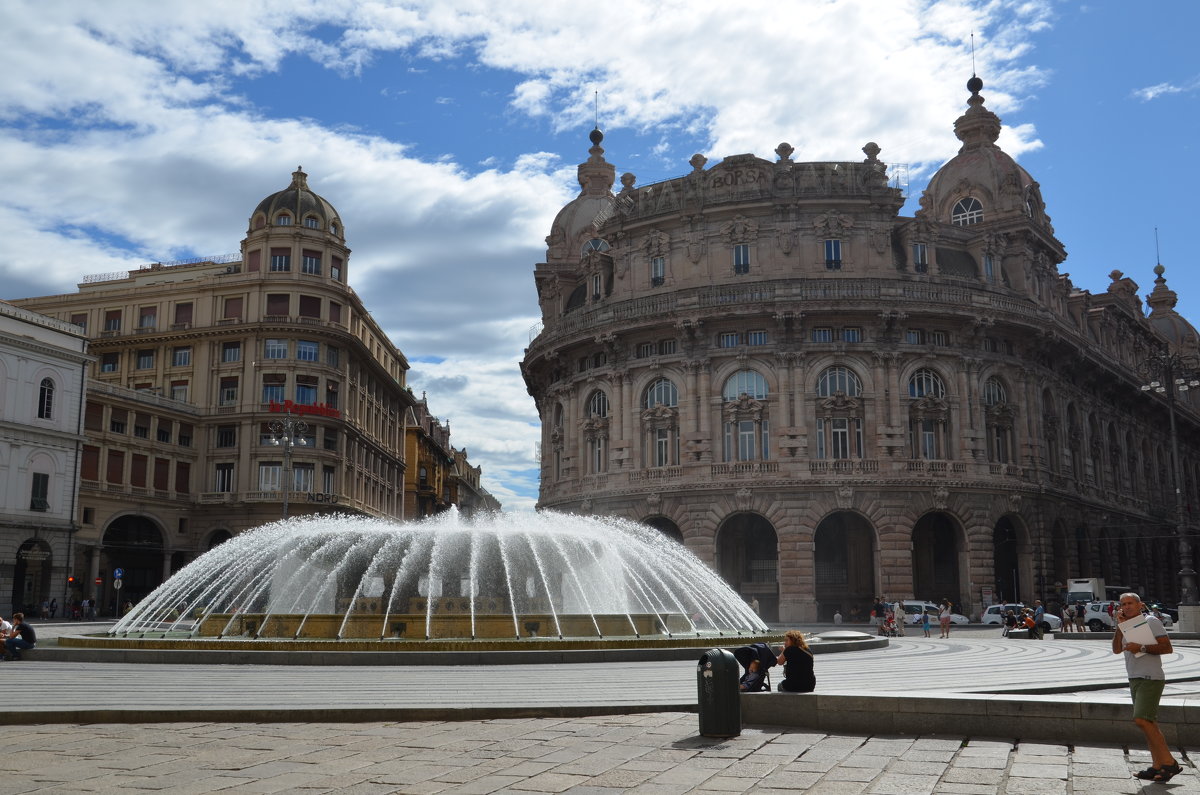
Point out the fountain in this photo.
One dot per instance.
(512, 581)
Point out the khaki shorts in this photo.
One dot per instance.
(1146, 695)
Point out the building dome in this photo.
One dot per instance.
(296, 205)
(982, 183)
(1170, 325)
(575, 224)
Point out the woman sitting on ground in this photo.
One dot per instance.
(797, 662)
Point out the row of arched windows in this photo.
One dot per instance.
(839, 421)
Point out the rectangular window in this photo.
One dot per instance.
(746, 440)
(138, 467)
(666, 347)
(328, 482)
(331, 439)
(148, 317)
(833, 255)
(756, 338)
(183, 476)
(145, 360)
(179, 391)
(115, 473)
(227, 395)
(273, 386)
(141, 431)
(302, 478)
(275, 349)
(226, 436)
(989, 268)
(645, 350)
(185, 435)
(839, 437)
(852, 334)
(307, 350)
(270, 476)
(89, 465)
(597, 284)
(938, 338)
(231, 352)
(335, 268)
(80, 320)
(39, 492)
(278, 304)
(162, 473)
(110, 362)
(112, 320)
(989, 345)
(658, 271)
(728, 339)
(163, 434)
(331, 394)
(223, 478)
(741, 258)
(306, 390)
(117, 425)
(662, 447)
(233, 308)
(335, 312)
(914, 336)
(920, 255)
(821, 453)
(181, 357)
(332, 356)
(310, 306)
(183, 314)
(281, 259)
(253, 260)
(822, 334)
(310, 263)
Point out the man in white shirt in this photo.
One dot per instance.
(1146, 682)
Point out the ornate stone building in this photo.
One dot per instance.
(828, 400)
(196, 364)
(42, 362)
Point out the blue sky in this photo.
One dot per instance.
(447, 133)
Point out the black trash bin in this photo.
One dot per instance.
(717, 694)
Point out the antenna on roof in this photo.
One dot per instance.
(1157, 256)
(973, 55)
(596, 107)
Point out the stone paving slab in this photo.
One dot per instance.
(652, 754)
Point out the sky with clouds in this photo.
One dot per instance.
(446, 133)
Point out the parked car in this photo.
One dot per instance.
(1166, 610)
(994, 614)
(1098, 619)
(912, 613)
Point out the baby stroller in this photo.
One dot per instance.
(888, 627)
(766, 659)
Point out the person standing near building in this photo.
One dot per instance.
(1146, 682)
(925, 620)
(945, 610)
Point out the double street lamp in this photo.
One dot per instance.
(1169, 374)
(288, 433)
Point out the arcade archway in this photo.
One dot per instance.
(748, 559)
(844, 566)
(1012, 560)
(937, 550)
(134, 544)
(666, 527)
(31, 577)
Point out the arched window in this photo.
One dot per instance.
(595, 244)
(745, 382)
(310, 222)
(747, 429)
(598, 404)
(966, 212)
(595, 432)
(839, 379)
(839, 432)
(998, 416)
(929, 416)
(926, 382)
(661, 393)
(283, 219)
(660, 419)
(45, 409)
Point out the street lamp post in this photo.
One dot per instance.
(1168, 374)
(284, 433)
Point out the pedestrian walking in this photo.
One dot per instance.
(945, 610)
(1143, 666)
(1068, 624)
(925, 620)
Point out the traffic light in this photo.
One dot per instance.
(70, 581)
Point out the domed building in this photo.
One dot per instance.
(829, 401)
(199, 368)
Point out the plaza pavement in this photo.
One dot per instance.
(442, 728)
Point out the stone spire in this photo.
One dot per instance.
(596, 175)
(299, 179)
(1162, 299)
(978, 127)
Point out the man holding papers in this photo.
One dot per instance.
(1143, 640)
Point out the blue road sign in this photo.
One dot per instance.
(118, 573)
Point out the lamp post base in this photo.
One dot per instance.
(1189, 618)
